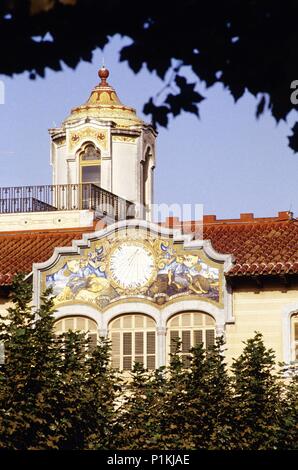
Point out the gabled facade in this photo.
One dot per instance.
(115, 273)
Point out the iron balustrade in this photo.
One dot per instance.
(64, 197)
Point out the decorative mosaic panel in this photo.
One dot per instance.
(152, 269)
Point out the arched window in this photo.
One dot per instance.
(90, 160)
(190, 328)
(147, 181)
(90, 153)
(78, 323)
(133, 340)
(294, 337)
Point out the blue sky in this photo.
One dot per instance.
(228, 161)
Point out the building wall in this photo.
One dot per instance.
(125, 170)
(260, 311)
(46, 220)
(253, 311)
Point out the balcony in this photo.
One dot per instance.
(65, 197)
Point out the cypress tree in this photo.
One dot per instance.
(53, 393)
(209, 404)
(288, 432)
(28, 375)
(103, 387)
(257, 395)
(139, 413)
(175, 429)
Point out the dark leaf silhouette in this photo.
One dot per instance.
(246, 46)
(293, 139)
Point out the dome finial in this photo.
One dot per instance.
(103, 74)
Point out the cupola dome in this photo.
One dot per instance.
(104, 104)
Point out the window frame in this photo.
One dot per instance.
(133, 330)
(192, 328)
(89, 333)
(96, 162)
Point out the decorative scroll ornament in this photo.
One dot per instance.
(99, 136)
(124, 138)
(154, 269)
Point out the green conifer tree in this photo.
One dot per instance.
(175, 430)
(288, 432)
(53, 393)
(103, 386)
(210, 404)
(257, 395)
(139, 414)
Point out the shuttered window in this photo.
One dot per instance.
(133, 340)
(151, 346)
(190, 328)
(198, 336)
(79, 324)
(92, 341)
(116, 353)
(174, 338)
(186, 341)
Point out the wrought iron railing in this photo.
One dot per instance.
(64, 197)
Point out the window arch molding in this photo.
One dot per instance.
(196, 306)
(129, 308)
(89, 161)
(192, 328)
(77, 322)
(78, 310)
(77, 316)
(83, 149)
(133, 337)
(288, 312)
(203, 312)
(161, 317)
(140, 308)
(146, 181)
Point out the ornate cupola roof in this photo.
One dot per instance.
(104, 104)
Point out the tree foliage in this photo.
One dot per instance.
(138, 417)
(244, 45)
(204, 407)
(257, 397)
(56, 393)
(53, 395)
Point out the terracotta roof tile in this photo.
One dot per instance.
(259, 246)
(19, 250)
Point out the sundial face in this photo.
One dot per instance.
(131, 265)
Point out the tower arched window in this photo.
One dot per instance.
(147, 181)
(79, 324)
(190, 328)
(133, 340)
(90, 164)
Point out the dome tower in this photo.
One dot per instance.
(105, 143)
